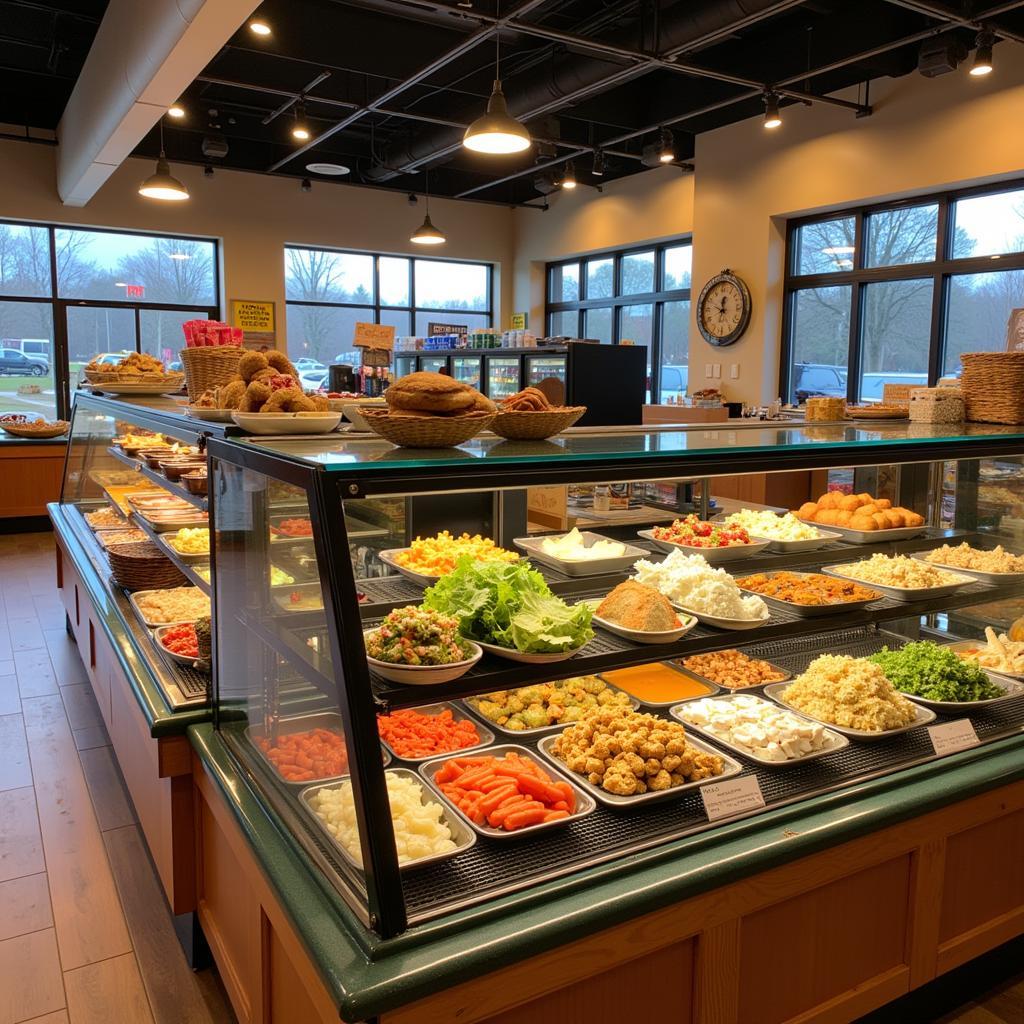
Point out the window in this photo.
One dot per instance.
(895, 294)
(69, 294)
(328, 292)
(637, 295)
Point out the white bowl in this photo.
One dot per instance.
(720, 623)
(273, 423)
(352, 412)
(641, 636)
(423, 675)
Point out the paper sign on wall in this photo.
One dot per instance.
(252, 316)
(374, 336)
(520, 321)
(436, 330)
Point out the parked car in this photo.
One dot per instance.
(811, 380)
(305, 363)
(312, 380)
(872, 385)
(175, 366)
(16, 364)
(673, 381)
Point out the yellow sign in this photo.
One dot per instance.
(251, 315)
(374, 336)
(519, 321)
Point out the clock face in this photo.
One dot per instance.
(724, 310)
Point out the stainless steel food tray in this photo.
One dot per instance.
(387, 556)
(814, 610)
(462, 835)
(585, 804)
(1011, 688)
(713, 556)
(902, 593)
(132, 598)
(869, 536)
(925, 716)
(978, 574)
(730, 768)
(963, 645)
(533, 546)
(713, 688)
(786, 676)
(485, 734)
(793, 547)
(837, 740)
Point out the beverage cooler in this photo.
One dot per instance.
(552, 370)
(434, 364)
(504, 376)
(468, 370)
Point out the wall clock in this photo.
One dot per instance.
(723, 309)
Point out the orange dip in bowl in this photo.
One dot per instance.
(657, 683)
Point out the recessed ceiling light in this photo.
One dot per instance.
(259, 27)
(176, 111)
(320, 168)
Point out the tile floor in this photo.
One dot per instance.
(85, 934)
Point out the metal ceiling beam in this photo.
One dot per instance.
(295, 97)
(465, 46)
(953, 19)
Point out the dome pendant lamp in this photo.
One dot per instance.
(426, 233)
(497, 132)
(163, 185)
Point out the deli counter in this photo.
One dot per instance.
(884, 861)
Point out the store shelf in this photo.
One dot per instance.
(178, 490)
(187, 569)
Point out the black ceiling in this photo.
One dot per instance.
(397, 80)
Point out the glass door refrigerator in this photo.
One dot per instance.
(504, 376)
(551, 370)
(405, 363)
(434, 364)
(468, 370)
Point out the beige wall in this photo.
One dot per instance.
(255, 215)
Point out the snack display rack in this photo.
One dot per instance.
(323, 650)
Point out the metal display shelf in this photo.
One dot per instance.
(491, 868)
(160, 480)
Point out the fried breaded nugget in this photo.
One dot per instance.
(250, 364)
(256, 394)
(288, 400)
(280, 362)
(230, 395)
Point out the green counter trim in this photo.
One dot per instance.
(367, 976)
(161, 718)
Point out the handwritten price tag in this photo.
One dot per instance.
(950, 737)
(724, 799)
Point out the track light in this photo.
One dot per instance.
(177, 110)
(667, 152)
(597, 170)
(300, 130)
(983, 54)
(569, 178)
(307, 185)
(772, 118)
(259, 27)
(163, 185)
(426, 233)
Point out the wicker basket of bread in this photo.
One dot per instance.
(992, 384)
(18, 425)
(143, 566)
(430, 410)
(529, 416)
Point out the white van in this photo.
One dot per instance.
(30, 346)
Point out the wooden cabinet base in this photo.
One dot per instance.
(823, 939)
(32, 476)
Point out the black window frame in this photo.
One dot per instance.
(656, 299)
(376, 305)
(942, 269)
(59, 305)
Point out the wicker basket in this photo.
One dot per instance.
(936, 405)
(211, 367)
(993, 386)
(143, 566)
(536, 426)
(41, 431)
(426, 431)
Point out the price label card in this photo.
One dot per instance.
(950, 737)
(724, 799)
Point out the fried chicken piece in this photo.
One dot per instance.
(288, 400)
(265, 376)
(256, 395)
(250, 364)
(230, 396)
(280, 362)
(321, 403)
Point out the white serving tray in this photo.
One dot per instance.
(903, 593)
(712, 556)
(533, 546)
(870, 536)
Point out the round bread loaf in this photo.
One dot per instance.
(430, 392)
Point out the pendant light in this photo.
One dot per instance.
(497, 132)
(772, 118)
(163, 185)
(426, 233)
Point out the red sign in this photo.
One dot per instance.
(134, 291)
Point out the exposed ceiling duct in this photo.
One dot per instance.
(144, 57)
(573, 75)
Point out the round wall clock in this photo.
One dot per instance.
(723, 309)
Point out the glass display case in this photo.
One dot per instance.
(302, 711)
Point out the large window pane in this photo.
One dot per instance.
(824, 247)
(564, 285)
(895, 332)
(325, 332)
(820, 342)
(26, 330)
(442, 285)
(24, 260)
(638, 273)
(397, 318)
(565, 324)
(98, 330)
(321, 276)
(597, 323)
(675, 349)
(142, 268)
(636, 324)
(474, 321)
(988, 225)
(600, 279)
(978, 313)
(394, 281)
(678, 264)
(160, 332)
(900, 236)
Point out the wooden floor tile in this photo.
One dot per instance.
(80, 704)
(24, 906)
(35, 673)
(60, 1017)
(30, 979)
(10, 695)
(108, 991)
(93, 736)
(67, 665)
(15, 772)
(175, 992)
(110, 798)
(21, 846)
(86, 911)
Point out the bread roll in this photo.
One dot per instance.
(863, 523)
(807, 510)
